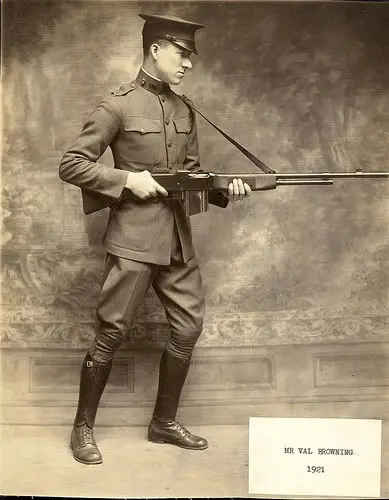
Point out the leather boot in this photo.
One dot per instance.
(163, 427)
(93, 379)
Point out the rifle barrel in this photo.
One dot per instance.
(334, 175)
(300, 181)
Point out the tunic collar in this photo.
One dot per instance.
(151, 83)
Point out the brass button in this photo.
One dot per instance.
(143, 83)
(167, 121)
(162, 98)
(169, 144)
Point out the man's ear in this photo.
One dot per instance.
(154, 51)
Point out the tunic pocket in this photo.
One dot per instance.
(142, 125)
(143, 141)
(182, 125)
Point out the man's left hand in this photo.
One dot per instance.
(238, 190)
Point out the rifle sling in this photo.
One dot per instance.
(242, 149)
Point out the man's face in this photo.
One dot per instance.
(171, 62)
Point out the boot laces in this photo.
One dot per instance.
(181, 429)
(87, 436)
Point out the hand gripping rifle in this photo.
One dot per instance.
(211, 186)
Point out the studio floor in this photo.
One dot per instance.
(37, 461)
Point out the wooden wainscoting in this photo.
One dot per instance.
(224, 385)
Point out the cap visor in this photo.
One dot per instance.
(185, 45)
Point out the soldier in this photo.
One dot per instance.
(148, 240)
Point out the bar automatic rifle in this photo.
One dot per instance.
(183, 183)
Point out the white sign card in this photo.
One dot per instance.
(315, 457)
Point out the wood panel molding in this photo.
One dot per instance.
(351, 370)
(40, 382)
(51, 374)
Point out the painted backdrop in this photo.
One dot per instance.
(305, 87)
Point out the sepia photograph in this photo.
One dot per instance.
(194, 249)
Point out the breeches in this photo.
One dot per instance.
(125, 284)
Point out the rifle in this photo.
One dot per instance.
(212, 186)
(181, 184)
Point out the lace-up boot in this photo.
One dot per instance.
(163, 427)
(94, 377)
(84, 446)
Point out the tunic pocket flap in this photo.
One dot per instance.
(182, 124)
(142, 125)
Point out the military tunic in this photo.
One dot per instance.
(148, 127)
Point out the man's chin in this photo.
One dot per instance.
(175, 81)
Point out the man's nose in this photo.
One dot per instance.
(187, 63)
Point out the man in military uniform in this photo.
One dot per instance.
(148, 239)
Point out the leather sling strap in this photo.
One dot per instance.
(242, 149)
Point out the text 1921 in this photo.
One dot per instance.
(315, 469)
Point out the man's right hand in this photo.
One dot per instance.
(144, 186)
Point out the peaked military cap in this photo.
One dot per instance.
(176, 30)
